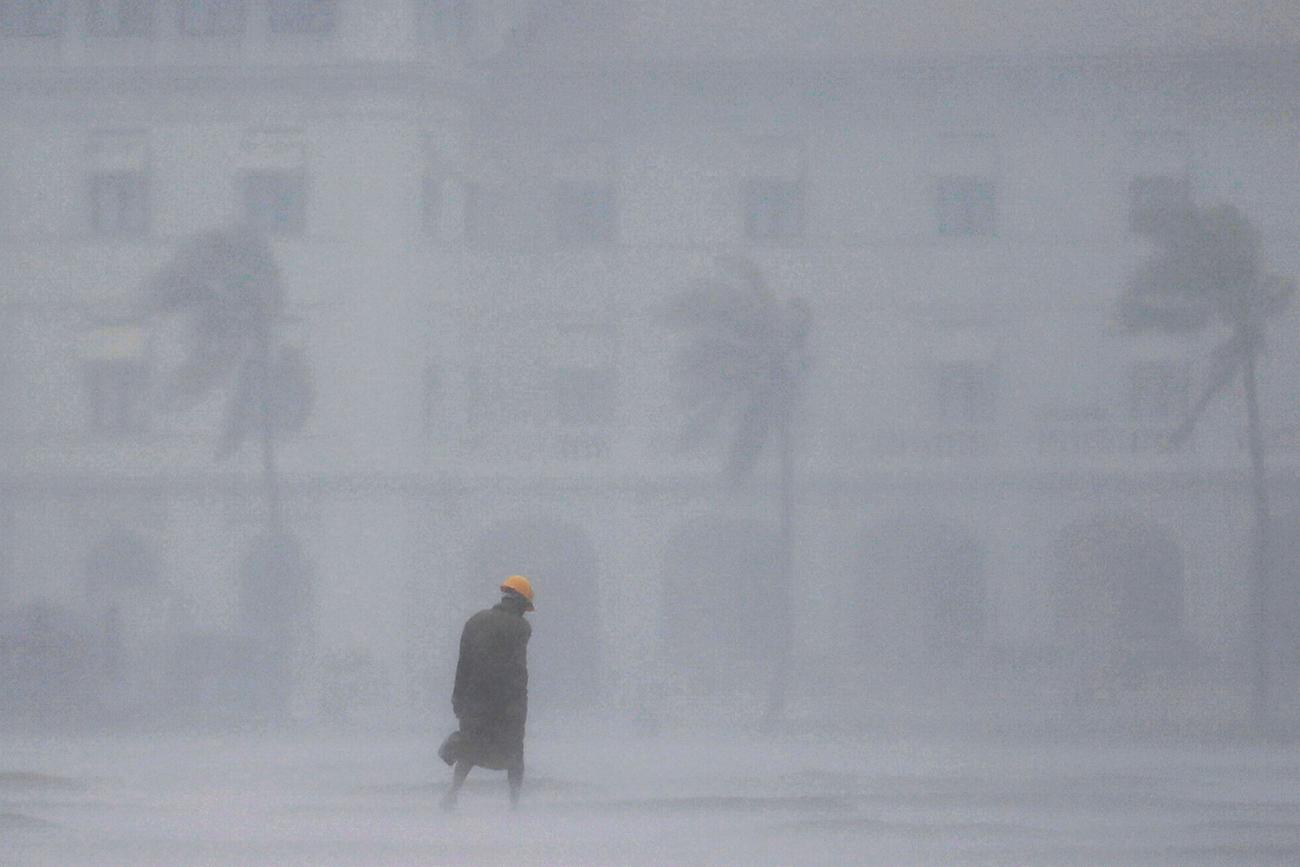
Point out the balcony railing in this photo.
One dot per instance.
(1102, 439)
(948, 441)
(1114, 438)
(1284, 439)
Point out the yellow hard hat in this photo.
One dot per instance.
(521, 585)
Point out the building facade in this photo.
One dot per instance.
(480, 211)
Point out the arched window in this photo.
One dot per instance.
(922, 595)
(720, 577)
(1118, 593)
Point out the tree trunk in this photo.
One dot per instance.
(783, 598)
(1259, 620)
(270, 473)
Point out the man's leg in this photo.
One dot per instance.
(458, 775)
(515, 774)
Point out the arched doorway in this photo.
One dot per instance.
(720, 577)
(921, 601)
(564, 654)
(1118, 594)
(121, 576)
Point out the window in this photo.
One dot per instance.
(305, 17)
(541, 383)
(31, 17)
(275, 200)
(1157, 391)
(584, 406)
(966, 393)
(774, 209)
(206, 18)
(120, 18)
(966, 205)
(119, 204)
(118, 183)
(772, 172)
(584, 213)
(273, 184)
(1159, 171)
(1155, 199)
(583, 193)
(117, 392)
(507, 397)
(116, 381)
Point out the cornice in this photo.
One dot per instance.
(414, 78)
(867, 483)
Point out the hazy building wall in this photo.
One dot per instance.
(434, 347)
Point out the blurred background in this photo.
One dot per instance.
(830, 365)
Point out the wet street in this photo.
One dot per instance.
(685, 799)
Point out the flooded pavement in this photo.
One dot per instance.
(170, 800)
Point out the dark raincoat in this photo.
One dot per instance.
(490, 698)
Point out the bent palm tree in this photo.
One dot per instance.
(1206, 269)
(744, 362)
(226, 285)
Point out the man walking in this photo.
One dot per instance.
(490, 698)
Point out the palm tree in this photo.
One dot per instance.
(226, 284)
(1206, 270)
(743, 364)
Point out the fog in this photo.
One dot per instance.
(893, 406)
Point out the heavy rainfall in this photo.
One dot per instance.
(768, 432)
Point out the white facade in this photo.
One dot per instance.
(488, 230)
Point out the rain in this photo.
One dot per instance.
(884, 417)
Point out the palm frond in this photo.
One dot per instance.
(189, 383)
(1146, 309)
(751, 276)
(713, 307)
(1225, 362)
(1203, 267)
(740, 361)
(210, 360)
(289, 400)
(230, 269)
(226, 284)
(706, 353)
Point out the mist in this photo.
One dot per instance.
(893, 406)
